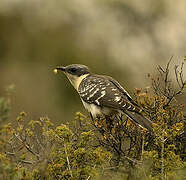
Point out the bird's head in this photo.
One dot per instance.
(74, 69)
(74, 72)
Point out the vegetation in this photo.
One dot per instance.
(96, 149)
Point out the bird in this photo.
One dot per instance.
(102, 95)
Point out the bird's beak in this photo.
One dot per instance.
(61, 68)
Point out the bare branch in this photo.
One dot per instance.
(68, 162)
(164, 86)
(26, 146)
(27, 162)
(162, 156)
(176, 74)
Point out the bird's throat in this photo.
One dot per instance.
(75, 80)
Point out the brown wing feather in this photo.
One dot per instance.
(109, 93)
(122, 90)
(111, 90)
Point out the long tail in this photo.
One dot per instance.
(140, 119)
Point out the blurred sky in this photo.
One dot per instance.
(124, 39)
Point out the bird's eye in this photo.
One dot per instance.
(73, 70)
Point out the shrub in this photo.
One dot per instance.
(98, 149)
(37, 149)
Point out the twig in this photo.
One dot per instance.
(10, 153)
(166, 88)
(68, 162)
(162, 156)
(142, 147)
(27, 162)
(132, 160)
(27, 146)
(176, 74)
(167, 69)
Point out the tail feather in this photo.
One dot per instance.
(140, 119)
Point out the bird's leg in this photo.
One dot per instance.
(109, 123)
(91, 116)
(93, 120)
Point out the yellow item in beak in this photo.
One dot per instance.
(55, 71)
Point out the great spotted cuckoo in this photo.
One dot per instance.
(103, 95)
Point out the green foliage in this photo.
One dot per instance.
(36, 149)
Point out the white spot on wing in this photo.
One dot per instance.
(83, 94)
(117, 98)
(91, 95)
(102, 95)
(113, 89)
(129, 107)
(124, 105)
(92, 88)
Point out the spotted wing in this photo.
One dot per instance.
(104, 93)
(122, 90)
(95, 89)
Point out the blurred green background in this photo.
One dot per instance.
(124, 39)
